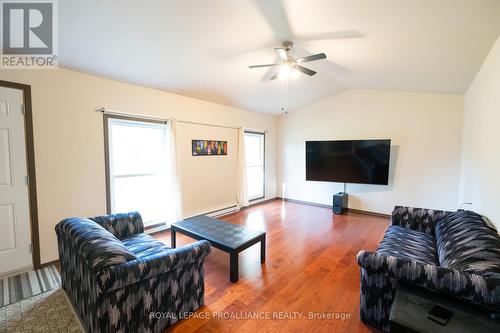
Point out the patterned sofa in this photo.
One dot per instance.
(122, 280)
(455, 253)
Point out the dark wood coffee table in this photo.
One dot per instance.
(228, 237)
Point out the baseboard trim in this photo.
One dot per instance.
(259, 202)
(252, 204)
(48, 263)
(309, 203)
(351, 210)
(156, 230)
(360, 211)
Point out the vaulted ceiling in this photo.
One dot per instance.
(203, 48)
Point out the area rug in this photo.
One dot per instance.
(46, 312)
(25, 285)
(34, 302)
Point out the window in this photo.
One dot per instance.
(137, 156)
(254, 147)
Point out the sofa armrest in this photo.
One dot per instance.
(121, 225)
(418, 219)
(472, 287)
(122, 275)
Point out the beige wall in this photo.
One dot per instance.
(426, 133)
(480, 179)
(217, 172)
(69, 146)
(425, 158)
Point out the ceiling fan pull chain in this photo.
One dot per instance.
(284, 94)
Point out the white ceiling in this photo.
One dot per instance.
(203, 48)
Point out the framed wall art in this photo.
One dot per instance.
(208, 147)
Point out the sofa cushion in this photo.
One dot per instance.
(409, 244)
(143, 245)
(466, 243)
(121, 224)
(99, 247)
(418, 219)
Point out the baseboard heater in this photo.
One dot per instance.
(214, 213)
(223, 211)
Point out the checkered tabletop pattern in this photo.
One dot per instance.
(228, 234)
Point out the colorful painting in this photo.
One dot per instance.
(209, 147)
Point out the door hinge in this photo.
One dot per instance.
(23, 109)
(31, 248)
(27, 180)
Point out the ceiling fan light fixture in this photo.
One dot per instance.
(286, 70)
(288, 66)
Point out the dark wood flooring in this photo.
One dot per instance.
(310, 267)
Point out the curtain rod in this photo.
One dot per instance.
(135, 115)
(132, 115)
(206, 124)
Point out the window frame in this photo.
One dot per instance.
(263, 134)
(107, 162)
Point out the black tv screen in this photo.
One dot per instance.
(348, 161)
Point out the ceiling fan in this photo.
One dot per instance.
(289, 64)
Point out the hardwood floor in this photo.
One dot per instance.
(310, 267)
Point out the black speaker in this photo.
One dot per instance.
(339, 203)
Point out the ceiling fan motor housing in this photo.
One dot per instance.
(287, 45)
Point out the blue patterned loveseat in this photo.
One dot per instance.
(455, 253)
(122, 280)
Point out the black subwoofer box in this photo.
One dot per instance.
(339, 203)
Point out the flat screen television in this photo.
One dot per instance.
(348, 161)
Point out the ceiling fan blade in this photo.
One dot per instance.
(239, 49)
(342, 34)
(305, 70)
(266, 65)
(269, 73)
(311, 58)
(276, 17)
(281, 53)
(275, 76)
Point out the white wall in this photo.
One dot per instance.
(480, 178)
(425, 130)
(69, 144)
